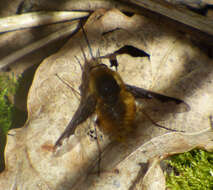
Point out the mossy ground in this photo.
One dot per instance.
(191, 171)
(8, 87)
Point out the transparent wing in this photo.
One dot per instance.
(85, 110)
(158, 101)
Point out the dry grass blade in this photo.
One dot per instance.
(38, 44)
(181, 15)
(27, 20)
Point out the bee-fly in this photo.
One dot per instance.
(103, 92)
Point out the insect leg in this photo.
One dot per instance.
(67, 84)
(160, 126)
(211, 121)
(99, 150)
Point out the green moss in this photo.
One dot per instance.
(192, 171)
(8, 86)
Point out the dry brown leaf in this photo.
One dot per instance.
(154, 178)
(176, 68)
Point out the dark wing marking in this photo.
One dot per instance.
(127, 49)
(141, 93)
(85, 109)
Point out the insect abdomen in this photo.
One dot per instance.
(117, 120)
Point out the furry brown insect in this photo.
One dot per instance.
(103, 92)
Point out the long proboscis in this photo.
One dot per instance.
(87, 41)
